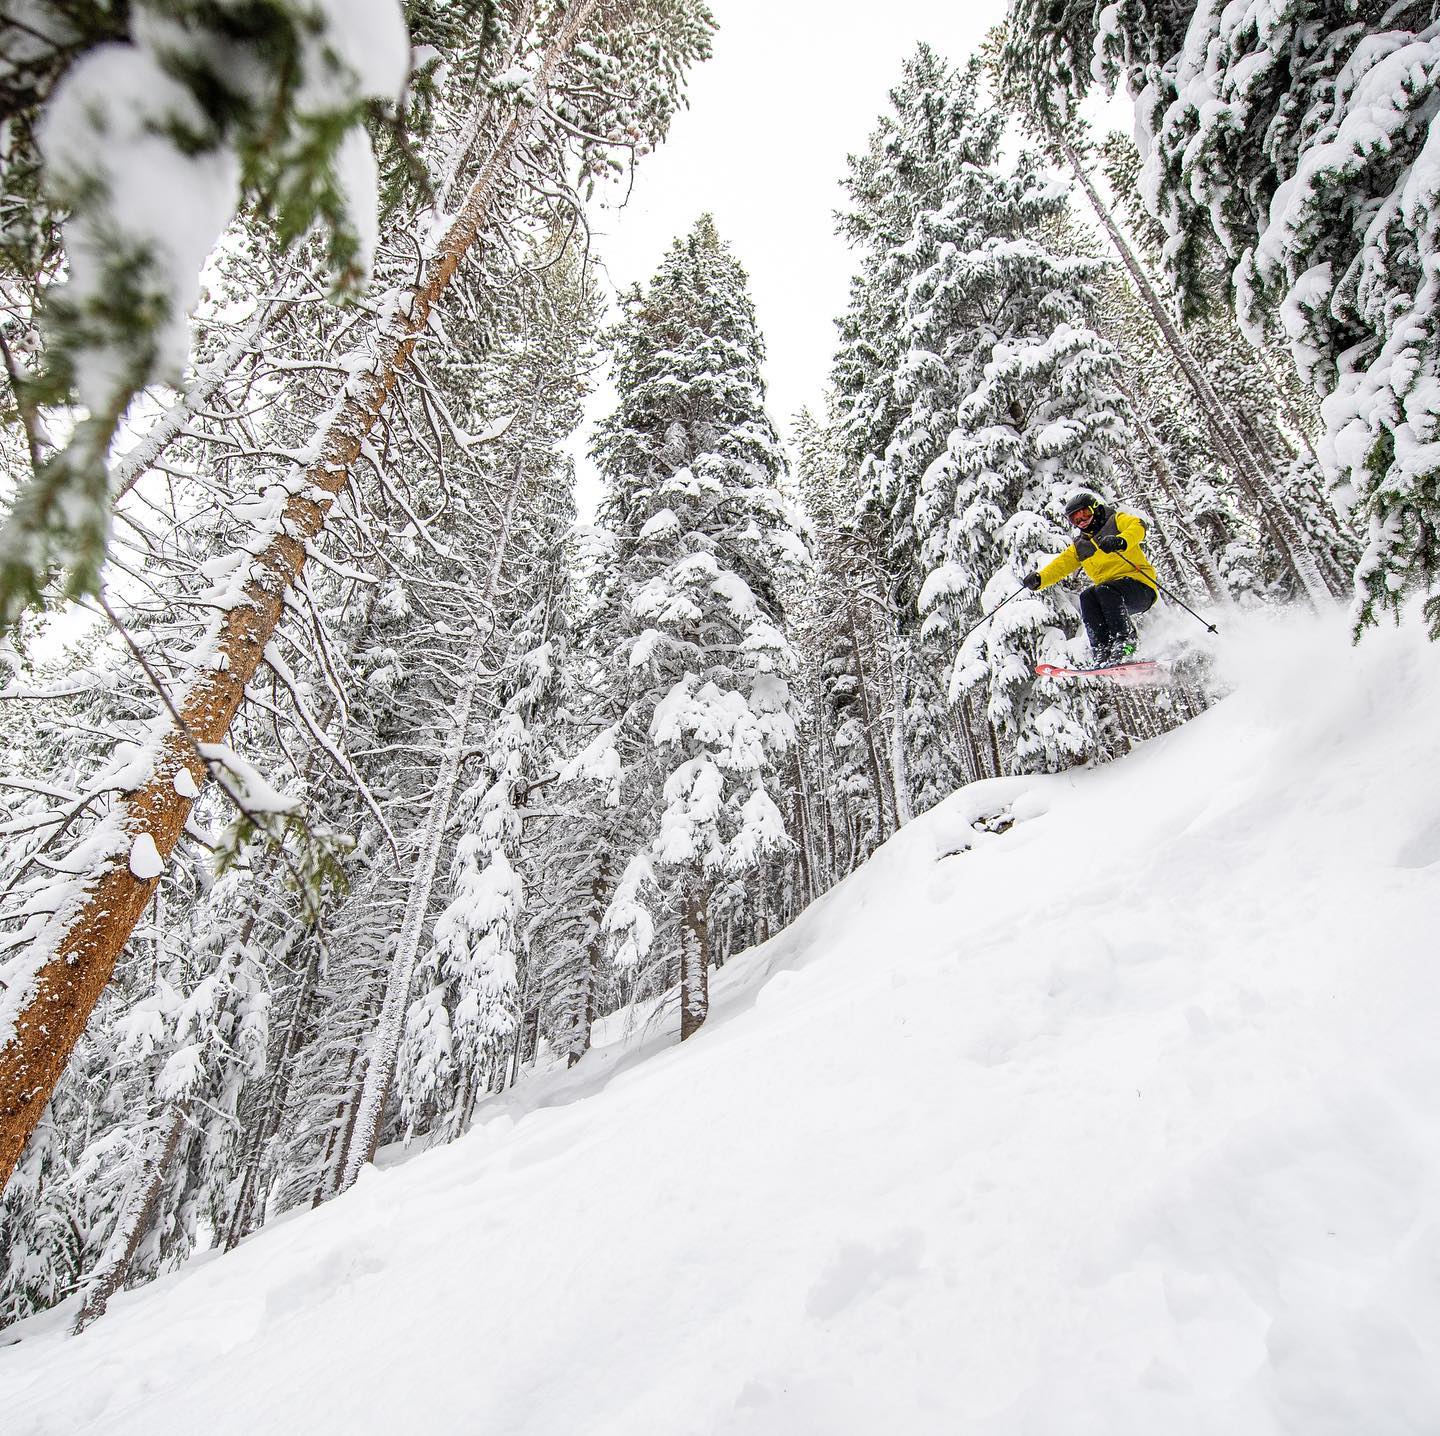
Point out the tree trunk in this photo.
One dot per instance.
(384, 1047)
(972, 748)
(877, 780)
(805, 846)
(522, 1005)
(899, 764)
(76, 954)
(334, 1161)
(583, 1016)
(694, 963)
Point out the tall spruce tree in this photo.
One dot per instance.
(892, 395)
(884, 383)
(696, 655)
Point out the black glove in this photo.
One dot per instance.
(1111, 543)
(1032, 582)
(1084, 545)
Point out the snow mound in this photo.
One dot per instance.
(1095, 1105)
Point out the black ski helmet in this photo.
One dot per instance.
(1081, 499)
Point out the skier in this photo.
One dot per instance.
(1123, 581)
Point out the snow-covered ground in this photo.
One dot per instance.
(1122, 1122)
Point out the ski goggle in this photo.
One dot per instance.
(1081, 517)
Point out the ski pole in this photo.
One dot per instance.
(984, 618)
(1172, 597)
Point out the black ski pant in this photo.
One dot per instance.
(1106, 609)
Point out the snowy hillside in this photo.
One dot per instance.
(1125, 1119)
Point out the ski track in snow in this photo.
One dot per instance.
(1121, 1122)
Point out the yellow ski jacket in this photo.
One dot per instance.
(1102, 567)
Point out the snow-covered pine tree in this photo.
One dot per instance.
(1245, 454)
(698, 660)
(885, 387)
(464, 1012)
(894, 388)
(466, 1006)
(586, 844)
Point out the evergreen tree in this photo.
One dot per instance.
(891, 406)
(463, 1021)
(894, 387)
(697, 655)
(1235, 440)
(1044, 420)
(1257, 386)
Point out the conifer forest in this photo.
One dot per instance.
(428, 662)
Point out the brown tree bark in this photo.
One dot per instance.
(70, 982)
(972, 748)
(804, 849)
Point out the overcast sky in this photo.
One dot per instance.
(793, 87)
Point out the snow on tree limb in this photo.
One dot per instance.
(147, 144)
(71, 957)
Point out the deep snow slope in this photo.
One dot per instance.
(1122, 1122)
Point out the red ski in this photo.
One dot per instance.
(1137, 671)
